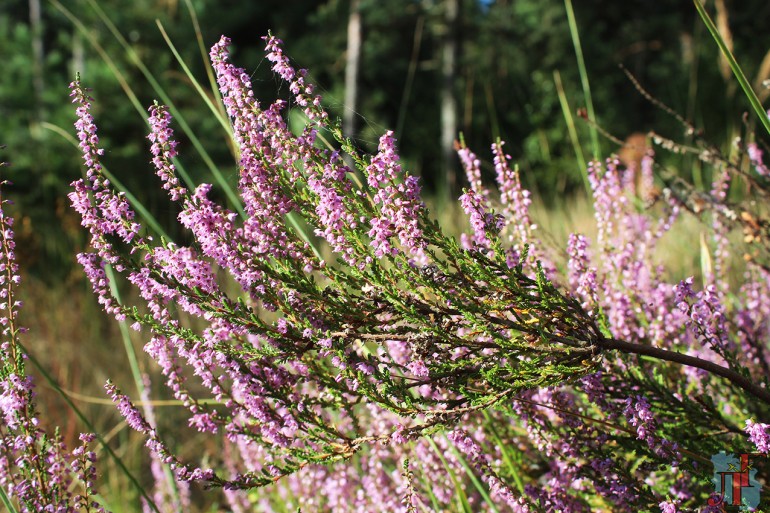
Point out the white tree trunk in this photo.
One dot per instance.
(448, 98)
(351, 69)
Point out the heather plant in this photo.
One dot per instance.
(37, 472)
(349, 355)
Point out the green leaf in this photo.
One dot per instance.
(7, 502)
(737, 71)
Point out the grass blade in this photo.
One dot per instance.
(573, 135)
(218, 114)
(7, 502)
(573, 29)
(737, 71)
(205, 57)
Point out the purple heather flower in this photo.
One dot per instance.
(514, 197)
(705, 316)
(514, 218)
(86, 131)
(219, 238)
(759, 434)
(93, 266)
(157, 448)
(331, 185)
(755, 156)
(163, 150)
(302, 90)
(582, 277)
(399, 204)
(609, 200)
(472, 166)
(751, 318)
(640, 416)
(481, 221)
(102, 211)
(419, 369)
(667, 507)
(398, 435)
(127, 409)
(365, 368)
(15, 397)
(36, 470)
(262, 137)
(467, 445)
(283, 380)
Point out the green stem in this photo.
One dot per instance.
(737, 71)
(7, 502)
(573, 29)
(573, 136)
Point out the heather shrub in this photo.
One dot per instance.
(371, 362)
(37, 471)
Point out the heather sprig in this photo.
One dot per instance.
(37, 472)
(401, 332)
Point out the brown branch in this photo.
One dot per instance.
(735, 378)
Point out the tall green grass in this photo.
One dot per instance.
(748, 91)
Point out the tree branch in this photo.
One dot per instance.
(735, 378)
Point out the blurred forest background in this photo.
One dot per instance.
(428, 69)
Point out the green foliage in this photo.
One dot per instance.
(505, 83)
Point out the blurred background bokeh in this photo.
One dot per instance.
(495, 65)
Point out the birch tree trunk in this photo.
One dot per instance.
(351, 69)
(448, 183)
